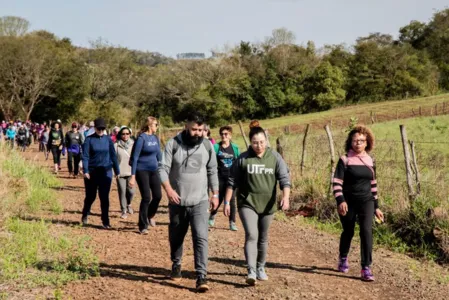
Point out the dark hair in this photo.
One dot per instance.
(256, 130)
(360, 129)
(227, 127)
(194, 118)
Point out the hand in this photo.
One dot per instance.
(173, 197)
(284, 204)
(379, 214)
(87, 176)
(343, 209)
(132, 182)
(227, 210)
(213, 203)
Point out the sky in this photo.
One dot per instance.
(177, 26)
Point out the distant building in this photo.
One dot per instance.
(191, 55)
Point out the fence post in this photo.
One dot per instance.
(436, 109)
(397, 114)
(304, 143)
(415, 166)
(372, 117)
(279, 147)
(287, 129)
(243, 134)
(420, 110)
(444, 108)
(408, 172)
(332, 154)
(413, 112)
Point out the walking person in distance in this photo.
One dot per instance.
(355, 189)
(187, 171)
(256, 173)
(145, 157)
(56, 144)
(99, 158)
(73, 141)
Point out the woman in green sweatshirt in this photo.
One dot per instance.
(255, 174)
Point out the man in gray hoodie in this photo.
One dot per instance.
(187, 170)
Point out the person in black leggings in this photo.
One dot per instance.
(146, 154)
(355, 189)
(55, 144)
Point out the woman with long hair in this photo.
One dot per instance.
(355, 189)
(145, 158)
(55, 144)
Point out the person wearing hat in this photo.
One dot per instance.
(56, 144)
(126, 192)
(99, 158)
(73, 141)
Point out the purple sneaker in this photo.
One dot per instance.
(343, 265)
(366, 274)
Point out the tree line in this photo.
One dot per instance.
(46, 77)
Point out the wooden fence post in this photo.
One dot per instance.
(413, 112)
(408, 172)
(279, 147)
(436, 109)
(304, 144)
(444, 108)
(332, 154)
(397, 114)
(243, 134)
(372, 117)
(415, 167)
(420, 110)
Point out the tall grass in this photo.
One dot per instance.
(31, 252)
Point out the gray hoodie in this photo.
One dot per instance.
(191, 170)
(123, 156)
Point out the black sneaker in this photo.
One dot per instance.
(175, 274)
(107, 226)
(201, 284)
(84, 221)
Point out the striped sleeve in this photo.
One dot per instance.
(374, 187)
(337, 182)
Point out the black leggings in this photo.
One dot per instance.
(56, 154)
(365, 213)
(221, 195)
(73, 162)
(150, 189)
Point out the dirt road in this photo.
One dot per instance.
(301, 261)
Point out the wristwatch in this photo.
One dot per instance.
(226, 203)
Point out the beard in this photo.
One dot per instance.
(190, 140)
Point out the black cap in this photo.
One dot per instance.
(100, 123)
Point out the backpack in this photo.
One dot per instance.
(177, 142)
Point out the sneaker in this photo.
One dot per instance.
(152, 222)
(366, 274)
(144, 231)
(175, 274)
(232, 226)
(251, 278)
(84, 221)
(201, 284)
(261, 275)
(343, 265)
(130, 210)
(123, 215)
(107, 226)
(211, 221)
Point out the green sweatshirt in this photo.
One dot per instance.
(256, 179)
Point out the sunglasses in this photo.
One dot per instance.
(100, 128)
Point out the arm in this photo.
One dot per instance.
(374, 187)
(159, 153)
(283, 176)
(212, 172)
(50, 141)
(85, 156)
(337, 182)
(135, 153)
(164, 171)
(113, 156)
(67, 139)
(82, 138)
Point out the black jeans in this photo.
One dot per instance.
(56, 154)
(100, 180)
(150, 189)
(223, 183)
(364, 210)
(73, 162)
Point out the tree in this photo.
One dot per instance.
(13, 26)
(29, 65)
(414, 34)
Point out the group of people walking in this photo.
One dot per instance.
(199, 175)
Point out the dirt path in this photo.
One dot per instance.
(301, 262)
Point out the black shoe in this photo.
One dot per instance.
(175, 274)
(201, 284)
(84, 221)
(107, 226)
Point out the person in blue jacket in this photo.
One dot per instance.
(99, 158)
(145, 157)
(227, 153)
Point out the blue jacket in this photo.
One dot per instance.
(99, 152)
(146, 154)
